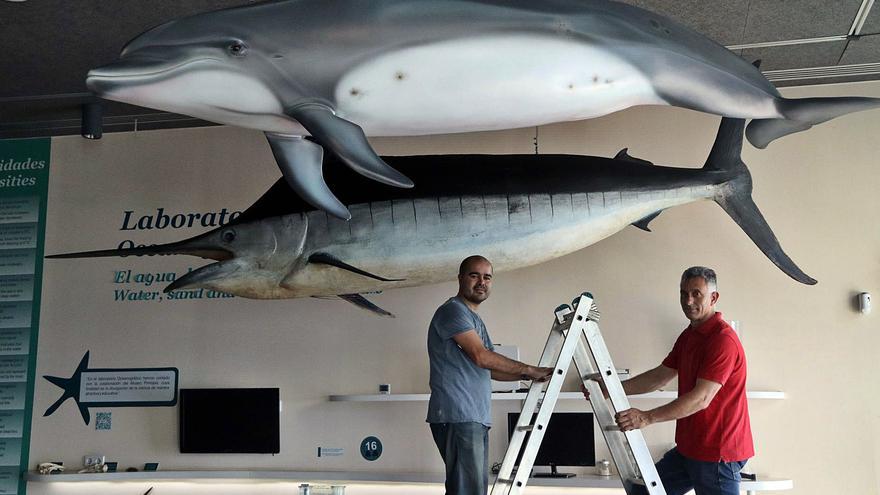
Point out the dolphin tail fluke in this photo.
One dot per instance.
(735, 197)
(802, 113)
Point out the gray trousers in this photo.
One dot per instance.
(464, 448)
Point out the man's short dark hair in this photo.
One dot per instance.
(707, 274)
(465, 263)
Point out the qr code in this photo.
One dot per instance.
(103, 421)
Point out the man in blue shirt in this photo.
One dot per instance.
(463, 363)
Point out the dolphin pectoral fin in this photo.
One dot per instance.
(329, 259)
(644, 222)
(347, 141)
(364, 303)
(625, 156)
(301, 162)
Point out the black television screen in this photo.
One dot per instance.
(568, 440)
(229, 421)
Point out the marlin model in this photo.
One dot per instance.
(341, 70)
(517, 210)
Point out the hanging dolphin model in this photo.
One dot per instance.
(340, 70)
(517, 210)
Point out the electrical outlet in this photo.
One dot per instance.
(92, 460)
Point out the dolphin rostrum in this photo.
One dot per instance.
(340, 70)
(517, 210)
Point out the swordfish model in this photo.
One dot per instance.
(341, 70)
(517, 210)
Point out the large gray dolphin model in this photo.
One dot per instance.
(517, 210)
(342, 69)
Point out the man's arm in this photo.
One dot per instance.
(472, 345)
(649, 381)
(694, 401)
(505, 377)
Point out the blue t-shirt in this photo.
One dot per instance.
(461, 391)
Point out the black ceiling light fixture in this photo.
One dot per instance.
(92, 126)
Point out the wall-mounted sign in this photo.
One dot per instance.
(116, 387)
(24, 179)
(371, 448)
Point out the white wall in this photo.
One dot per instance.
(817, 189)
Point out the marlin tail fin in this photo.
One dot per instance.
(735, 196)
(802, 113)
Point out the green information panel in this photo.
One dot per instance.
(24, 179)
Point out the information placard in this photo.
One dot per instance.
(115, 387)
(24, 179)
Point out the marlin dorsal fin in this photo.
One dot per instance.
(329, 259)
(625, 156)
(645, 222)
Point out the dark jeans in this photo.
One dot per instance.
(680, 475)
(464, 448)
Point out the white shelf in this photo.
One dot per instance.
(580, 481)
(663, 394)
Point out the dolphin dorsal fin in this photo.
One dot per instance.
(625, 156)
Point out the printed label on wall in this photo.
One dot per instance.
(24, 178)
(123, 387)
(115, 387)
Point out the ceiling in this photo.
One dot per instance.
(49, 46)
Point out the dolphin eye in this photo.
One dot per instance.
(237, 49)
(228, 235)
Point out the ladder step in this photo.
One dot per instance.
(525, 428)
(507, 481)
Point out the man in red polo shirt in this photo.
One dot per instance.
(712, 433)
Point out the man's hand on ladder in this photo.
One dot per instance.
(587, 392)
(633, 419)
(538, 374)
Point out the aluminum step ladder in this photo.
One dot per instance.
(575, 336)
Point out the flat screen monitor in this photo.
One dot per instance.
(229, 421)
(568, 441)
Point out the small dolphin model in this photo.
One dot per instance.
(517, 210)
(340, 70)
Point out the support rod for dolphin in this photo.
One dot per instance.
(341, 70)
(518, 210)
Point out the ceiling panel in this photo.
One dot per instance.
(872, 24)
(724, 22)
(795, 56)
(775, 20)
(865, 49)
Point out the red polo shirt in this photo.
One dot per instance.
(721, 432)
